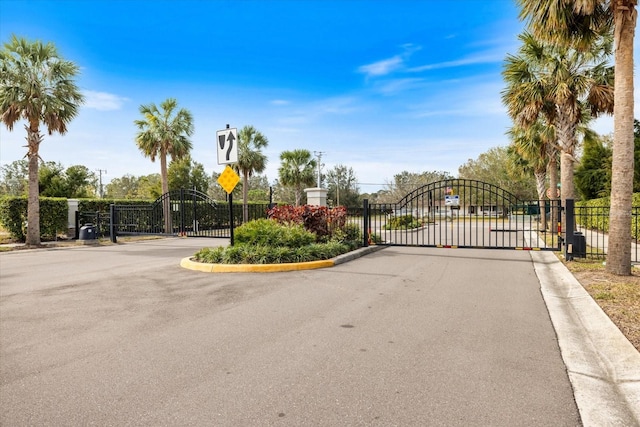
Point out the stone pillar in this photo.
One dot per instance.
(316, 196)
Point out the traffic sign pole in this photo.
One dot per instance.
(231, 219)
(226, 144)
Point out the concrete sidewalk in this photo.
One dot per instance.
(603, 366)
(599, 240)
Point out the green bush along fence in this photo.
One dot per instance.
(594, 215)
(53, 217)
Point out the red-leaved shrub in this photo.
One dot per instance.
(318, 219)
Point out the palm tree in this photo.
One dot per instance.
(559, 83)
(534, 146)
(575, 24)
(297, 170)
(250, 160)
(163, 132)
(36, 85)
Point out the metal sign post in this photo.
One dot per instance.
(227, 145)
(228, 180)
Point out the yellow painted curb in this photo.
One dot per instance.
(253, 268)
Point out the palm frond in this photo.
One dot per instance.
(37, 85)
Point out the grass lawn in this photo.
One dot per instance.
(618, 296)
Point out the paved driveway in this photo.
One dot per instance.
(121, 335)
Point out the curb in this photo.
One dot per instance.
(602, 365)
(271, 268)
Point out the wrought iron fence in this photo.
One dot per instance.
(199, 218)
(592, 222)
(196, 218)
(100, 220)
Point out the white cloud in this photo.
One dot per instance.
(387, 66)
(280, 102)
(381, 68)
(471, 60)
(337, 105)
(103, 101)
(312, 111)
(394, 86)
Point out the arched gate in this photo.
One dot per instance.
(461, 213)
(190, 213)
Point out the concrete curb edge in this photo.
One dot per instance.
(270, 268)
(602, 365)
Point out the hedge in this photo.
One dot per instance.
(54, 213)
(594, 214)
(102, 205)
(53, 216)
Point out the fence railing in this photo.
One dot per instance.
(198, 219)
(593, 223)
(100, 220)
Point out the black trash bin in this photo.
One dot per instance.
(579, 245)
(87, 232)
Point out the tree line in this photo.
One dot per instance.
(501, 166)
(558, 80)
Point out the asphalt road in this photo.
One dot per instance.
(121, 335)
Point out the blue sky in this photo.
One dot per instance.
(379, 86)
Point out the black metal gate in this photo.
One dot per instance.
(460, 213)
(191, 213)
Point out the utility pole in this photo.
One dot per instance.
(319, 155)
(100, 172)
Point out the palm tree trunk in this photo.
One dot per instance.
(33, 202)
(166, 202)
(553, 174)
(619, 248)
(245, 197)
(553, 185)
(566, 132)
(567, 188)
(541, 182)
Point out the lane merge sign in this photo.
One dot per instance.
(227, 144)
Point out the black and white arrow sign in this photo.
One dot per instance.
(227, 146)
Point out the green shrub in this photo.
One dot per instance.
(267, 242)
(102, 205)
(402, 222)
(246, 254)
(270, 233)
(352, 233)
(13, 216)
(375, 238)
(595, 215)
(328, 250)
(53, 216)
(210, 255)
(233, 255)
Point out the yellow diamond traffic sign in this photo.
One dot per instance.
(228, 179)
